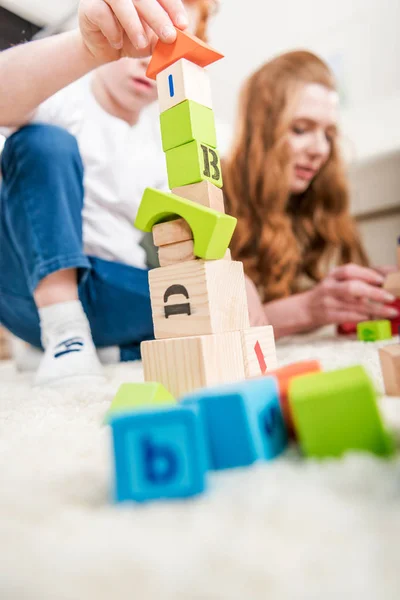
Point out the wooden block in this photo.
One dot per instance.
(228, 255)
(204, 193)
(390, 364)
(373, 331)
(185, 46)
(243, 421)
(212, 231)
(192, 163)
(186, 122)
(183, 80)
(138, 396)
(171, 232)
(186, 364)
(392, 284)
(176, 253)
(337, 411)
(159, 454)
(259, 352)
(198, 297)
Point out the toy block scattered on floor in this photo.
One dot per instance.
(284, 376)
(204, 193)
(346, 329)
(259, 352)
(171, 232)
(182, 81)
(159, 454)
(186, 122)
(176, 253)
(389, 357)
(192, 163)
(395, 322)
(392, 284)
(189, 363)
(185, 46)
(337, 411)
(212, 230)
(134, 396)
(198, 297)
(373, 331)
(243, 422)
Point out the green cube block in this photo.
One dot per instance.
(337, 411)
(372, 331)
(136, 396)
(186, 122)
(192, 163)
(212, 230)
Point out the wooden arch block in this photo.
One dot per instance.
(212, 230)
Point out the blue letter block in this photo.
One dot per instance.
(243, 422)
(159, 454)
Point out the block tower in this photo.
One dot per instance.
(198, 294)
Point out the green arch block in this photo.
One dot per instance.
(212, 230)
(136, 396)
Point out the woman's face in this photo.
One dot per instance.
(313, 127)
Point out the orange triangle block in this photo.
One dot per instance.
(185, 46)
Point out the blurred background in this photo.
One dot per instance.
(358, 38)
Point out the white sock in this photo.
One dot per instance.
(69, 349)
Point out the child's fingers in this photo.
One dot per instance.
(352, 271)
(157, 18)
(176, 11)
(128, 17)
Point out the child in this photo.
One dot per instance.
(285, 182)
(72, 273)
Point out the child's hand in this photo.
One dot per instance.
(112, 29)
(349, 293)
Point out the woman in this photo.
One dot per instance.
(285, 182)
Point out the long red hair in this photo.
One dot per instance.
(280, 239)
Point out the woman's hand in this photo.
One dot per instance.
(256, 310)
(112, 29)
(349, 293)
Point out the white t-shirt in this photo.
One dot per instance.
(120, 162)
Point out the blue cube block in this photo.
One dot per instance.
(159, 454)
(243, 422)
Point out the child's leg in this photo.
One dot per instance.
(41, 246)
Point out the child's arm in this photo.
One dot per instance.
(32, 72)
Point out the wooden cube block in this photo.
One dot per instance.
(185, 46)
(159, 454)
(171, 232)
(198, 297)
(181, 81)
(186, 122)
(176, 253)
(392, 284)
(192, 163)
(212, 231)
(136, 396)
(186, 364)
(243, 422)
(259, 352)
(372, 331)
(204, 193)
(337, 411)
(390, 364)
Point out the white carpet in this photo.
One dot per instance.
(290, 529)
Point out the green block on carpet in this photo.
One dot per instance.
(337, 411)
(186, 122)
(372, 331)
(212, 230)
(134, 396)
(192, 163)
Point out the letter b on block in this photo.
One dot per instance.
(159, 454)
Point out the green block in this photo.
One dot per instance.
(212, 230)
(185, 122)
(337, 411)
(372, 331)
(136, 396)
(192, 163)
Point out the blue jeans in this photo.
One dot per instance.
(41, 200)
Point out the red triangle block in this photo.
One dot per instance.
(185, 46)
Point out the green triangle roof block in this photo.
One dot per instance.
(136, 396)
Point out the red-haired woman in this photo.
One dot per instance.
(285, 182)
